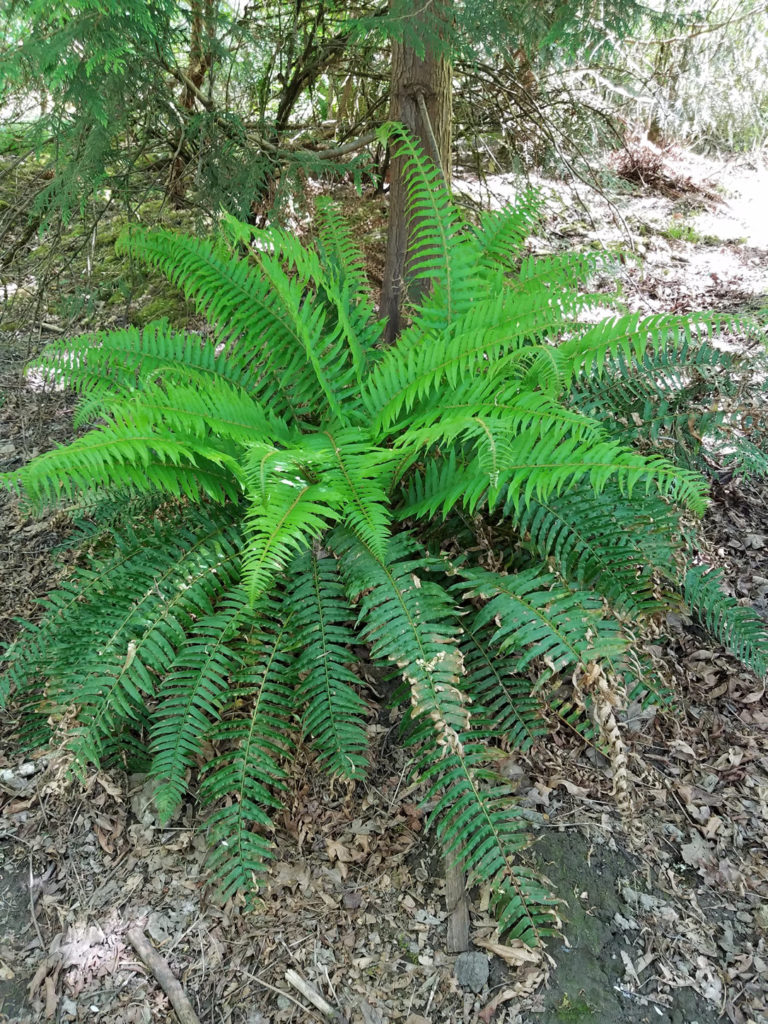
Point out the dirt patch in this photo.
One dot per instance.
(599, 976)
(16, 927)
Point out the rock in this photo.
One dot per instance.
(472, 970)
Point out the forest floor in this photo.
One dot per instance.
(672, 932)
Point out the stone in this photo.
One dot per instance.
(472, 970)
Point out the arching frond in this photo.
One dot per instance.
(535, 617)
(503, 708)
(608, 541)
(333, 712)
(192, 693)
(501, 240)
(111, 633)
(129, 453)
(242, 782)
(251, 320)
(281, 524)
(737, 627)
(407, 620)
(440, 251)
(111, 362)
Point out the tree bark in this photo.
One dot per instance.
(416, 83)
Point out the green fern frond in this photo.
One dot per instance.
(409, 622)
(46, 643)
(441, 484)
(501, 239)
(525, 466)
(359, 473)
(673, 397)
(593, 351)
(416, 369)
(477, 823)
(606, 541)
(441, 252)
(108, 632)
(111, 362)
(282, 520)
(191, 694)
(339, 254)
(242, 781)
(142, 637)
(251, 322)
(324, 344)
(564, 271)
(130, 453)
(334, 713)
(746, 460)
(737, 627)
(536, 617)
(503, 707)
(216, 411)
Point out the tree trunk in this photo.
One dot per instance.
(201, 38)
(414, 77)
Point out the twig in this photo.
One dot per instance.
(320, 154)
(429, 133)
(32, 903)
(295, 979)
(704, 30)
(277, 991)
(346, 147)
(163, 975)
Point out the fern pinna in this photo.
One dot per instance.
(301, 479)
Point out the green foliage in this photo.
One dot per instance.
(290, 470)
(737, 627)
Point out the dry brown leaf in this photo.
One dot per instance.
(571, 787)
(514, 955)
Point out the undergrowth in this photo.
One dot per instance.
(489, 508)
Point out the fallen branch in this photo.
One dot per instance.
(314, 997)
(163, 976)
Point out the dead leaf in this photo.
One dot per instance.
(514, 955)
(489, 1010)
(570, 787)
(697, 852)
(683, 750)
(51, 998)
(337, 851)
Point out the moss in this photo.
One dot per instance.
(682, 233)
(168, 305)
(573, 1009)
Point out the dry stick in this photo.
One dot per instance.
(32, 903)
(457, 905)
(278, 991)
(430, 134)
(163, 975)
(295, 979)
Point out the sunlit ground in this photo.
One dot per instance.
(745, 212)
